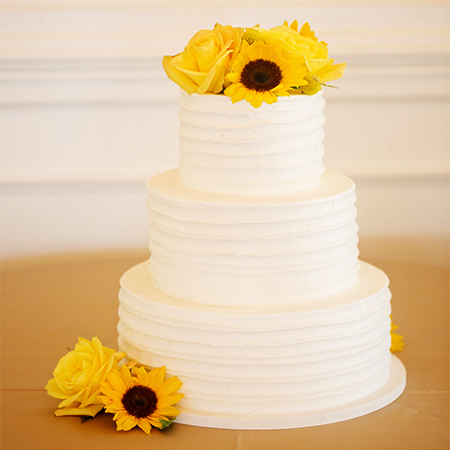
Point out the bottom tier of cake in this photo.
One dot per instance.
(240, 363)
(382, 397)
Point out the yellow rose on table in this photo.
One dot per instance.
(202, 66)
(78, 375)
(304, 42)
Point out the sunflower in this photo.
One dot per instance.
(141, 398)
(260, 73)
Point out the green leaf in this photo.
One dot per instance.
(86, 418)
(165, 423)
(329, 85)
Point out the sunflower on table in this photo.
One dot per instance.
(138, 397)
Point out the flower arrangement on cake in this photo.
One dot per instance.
(254, 64)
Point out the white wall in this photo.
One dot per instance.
(88, 114)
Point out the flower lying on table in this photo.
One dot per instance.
(141, 398)
(78, 375)
(90, 379)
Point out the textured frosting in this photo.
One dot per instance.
(239, 150)
(262, 360)
(254, 296)
(220, 250)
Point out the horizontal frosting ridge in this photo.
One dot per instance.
(314, 355)
(217, 143)
(307, 243)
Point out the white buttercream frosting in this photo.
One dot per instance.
(226, 250)
(254, 295)
(262, 360)
(239, 150)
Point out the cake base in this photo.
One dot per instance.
(391, 390)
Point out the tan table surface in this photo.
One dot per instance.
(48, 302)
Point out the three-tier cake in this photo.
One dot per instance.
(254, 295)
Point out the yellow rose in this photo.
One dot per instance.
(78, 376)
(304, 42)
(203, 64)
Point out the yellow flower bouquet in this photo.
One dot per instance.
(90, 379)
(254, 64)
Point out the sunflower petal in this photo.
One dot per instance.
(154, 422)
(157, 378)
(169, 386)
(111, 394)
(270, 97)
(144, 425)
(254, 51)
(240, 95)
(142, 376)
(168, 411)
(169, 400)
(257, 99)
(232, 89)
(233, 77)
(129, 423)
(120, 416)
(116, 381)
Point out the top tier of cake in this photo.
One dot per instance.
(236, 149)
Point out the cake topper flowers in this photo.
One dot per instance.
(261, 73)
(202, 67)
(254, 64)
(89, 379)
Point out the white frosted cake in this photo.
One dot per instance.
(254, 295)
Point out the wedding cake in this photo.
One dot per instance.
(253, 294)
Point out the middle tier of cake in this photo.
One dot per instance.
(256, 251)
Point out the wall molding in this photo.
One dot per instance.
(76, 82)
(81, 52)
(77, 29)
(367, 173)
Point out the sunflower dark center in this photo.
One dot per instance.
(140, 401)
(261, 75)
